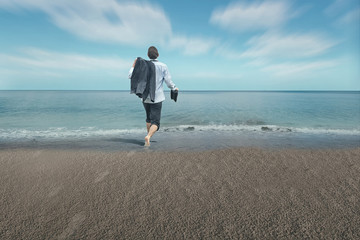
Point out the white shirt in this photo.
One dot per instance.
(161, 74)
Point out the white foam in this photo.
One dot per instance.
(262, 128)
(86, 132)
(63, 133)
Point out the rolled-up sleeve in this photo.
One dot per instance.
(167, 78)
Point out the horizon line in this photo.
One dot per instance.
(186, 90)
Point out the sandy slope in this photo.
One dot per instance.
(233, 193)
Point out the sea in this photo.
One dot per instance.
(199, 120)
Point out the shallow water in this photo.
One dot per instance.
(199, 120)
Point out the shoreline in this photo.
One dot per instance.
(192, 141)
(228, 193)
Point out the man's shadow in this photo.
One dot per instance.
(126, 140)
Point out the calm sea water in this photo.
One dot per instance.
(199, 120)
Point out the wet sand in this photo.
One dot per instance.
(233, 193)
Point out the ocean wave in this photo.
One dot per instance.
(262, 128)
(63, 133)
(87, 132)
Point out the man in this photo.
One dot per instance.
(153, 108)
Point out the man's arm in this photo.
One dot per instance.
(168, 81)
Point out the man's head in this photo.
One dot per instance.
(153, 53)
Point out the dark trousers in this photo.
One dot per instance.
(153, 113)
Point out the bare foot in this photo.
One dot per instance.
(147, 141)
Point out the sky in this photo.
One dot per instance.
(206, 44)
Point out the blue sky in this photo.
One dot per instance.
(207, 45)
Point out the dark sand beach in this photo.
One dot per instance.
(239, 193)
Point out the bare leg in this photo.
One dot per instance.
(148, 126)
(152, 130)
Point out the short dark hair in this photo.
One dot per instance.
(153, 52)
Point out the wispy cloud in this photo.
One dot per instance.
(275, 51)
(344, 12)
(269, 16)
(337, 6)
(43, 60)
(110, 21)
(105, 21)
(193, 45)
(212, 75)
(294, 69)
(350, 17)
(287, 46)
(275, 45)
(250, 17)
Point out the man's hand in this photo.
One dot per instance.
(134, 62)
(177, 89)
